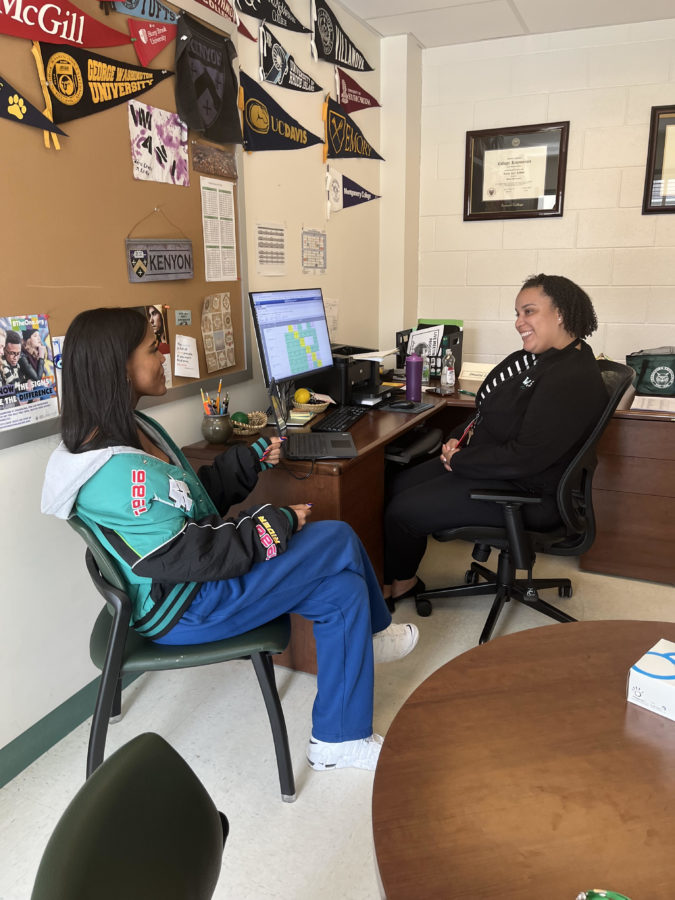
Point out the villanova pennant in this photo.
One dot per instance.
(206, 86)
(330, 42)
(16, 108)
(351, 95)
(343, 192)
(56, 23)
(278, 67)
(151, 10)
(266, 125)
(78, 83)
(275, 11)
(343, 137)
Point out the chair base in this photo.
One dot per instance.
(505, 588)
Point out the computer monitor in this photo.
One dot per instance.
(292, 333)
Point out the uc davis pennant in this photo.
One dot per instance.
(343, 137)
(266, 125)
(56, 23)
(278, 67)
(343, 192)
(350, 94)
(16, 108)
(274, 11)
(330, 42)
(78, 83)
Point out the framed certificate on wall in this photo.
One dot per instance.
(514, 173)
(659, 195)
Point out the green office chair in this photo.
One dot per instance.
(517, 546)
(117, 650)
(143, 826)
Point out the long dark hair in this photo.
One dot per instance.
(97, 404)
(573, 303)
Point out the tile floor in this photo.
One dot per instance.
(321, 845)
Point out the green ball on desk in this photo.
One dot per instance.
(240, 417)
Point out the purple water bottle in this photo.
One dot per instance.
(413, 378)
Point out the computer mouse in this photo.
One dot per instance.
(402, 404)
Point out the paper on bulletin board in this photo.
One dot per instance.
(27, 379)
(270, 249)
(186, 362)
(217, 332)
(220, 241)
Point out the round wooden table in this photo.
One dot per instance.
(518, 771)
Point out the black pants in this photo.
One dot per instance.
(427, 498)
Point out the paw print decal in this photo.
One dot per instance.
(16, 106)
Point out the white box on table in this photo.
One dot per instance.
(651, 680)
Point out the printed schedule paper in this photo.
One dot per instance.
(220, 243)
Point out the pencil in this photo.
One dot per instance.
(220, 384)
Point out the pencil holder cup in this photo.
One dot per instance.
(217, 429)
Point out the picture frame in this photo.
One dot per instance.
(659, 193)
(515, 173)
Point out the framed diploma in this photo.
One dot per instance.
(659, 196)
(515, 173)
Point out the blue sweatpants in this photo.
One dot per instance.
(324, 575)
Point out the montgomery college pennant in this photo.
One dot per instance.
(206, 86)
(266, 125)
(351, 95)
(343, 192)
(15, 107)
(274, 11)
(150, 10)
(343, 137)
(330, 42)
(56, 23)
(278, 67)
(78, 83)
(150, 38)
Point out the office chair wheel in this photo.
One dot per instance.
(470, 577)
(565, 590)
(423, 607)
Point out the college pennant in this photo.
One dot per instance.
(78, 83)
(56, 23)
(330, 42)
(150, 10)
(343, 192)
(150, 38)
(15, 107)
(274, 11)
(266, 125)
(351, 95)
(221, 8)
(343, 137)
(278, 67)
(206, 86)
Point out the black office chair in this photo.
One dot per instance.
(118, 650)
(142, 826)
(517, 546)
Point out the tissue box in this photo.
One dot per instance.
(651, 681)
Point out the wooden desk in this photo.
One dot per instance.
(350, 490)
(518, 770)
(634, 498)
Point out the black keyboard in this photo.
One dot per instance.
(340, 419)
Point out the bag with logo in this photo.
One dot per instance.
(655, 371)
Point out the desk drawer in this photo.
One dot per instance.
(635, 437)
(635, 475)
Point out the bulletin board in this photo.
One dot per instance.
(66, 214)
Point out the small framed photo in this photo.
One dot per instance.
(515, 173)
(659, 196)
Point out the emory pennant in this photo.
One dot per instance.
(343, 137)
(150, 10)
(274, 11)
(150, 39)
(330, 42)
(56, 23)
(278, 67)
(16, 108)
(343, 192)
(266, 125)
(351, 95)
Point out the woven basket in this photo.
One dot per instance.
(311, 407)
(256, 421)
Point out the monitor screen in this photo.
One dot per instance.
(292, 333)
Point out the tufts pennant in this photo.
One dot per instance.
(274, 11)
(266, 125)
(150, 10)
(59, 22)
(278, 67)
(343, 137)
(330, 42)
(351, 95)
(343, 192)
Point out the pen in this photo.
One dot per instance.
(220, 384)
(207, 408)
(468, 393)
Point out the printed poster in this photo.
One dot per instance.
(217, 332)
(313, 251)
(218, 227)
(270, 249)
(27, 378)
(159, 144)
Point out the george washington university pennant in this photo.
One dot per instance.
(343, 192)
(330, 42)
(278, 67)
(56, 23)
(351, 95)
(15, 107)
(266, 125)
(274, 11)
(343, 137)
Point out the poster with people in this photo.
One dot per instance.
(158, 319)
(27, 379)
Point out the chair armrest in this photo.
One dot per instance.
(519, 542)
(505, 497)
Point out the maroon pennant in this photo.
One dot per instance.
(351, 95)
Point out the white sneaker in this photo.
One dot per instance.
(361, 754)
(394, 642)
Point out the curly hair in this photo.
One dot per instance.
(572, 302)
